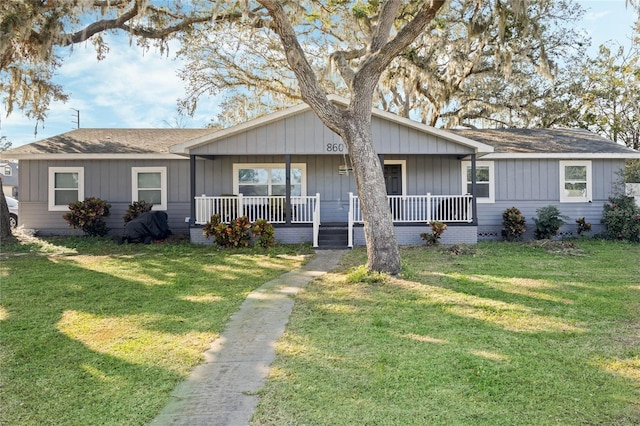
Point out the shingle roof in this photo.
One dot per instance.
(111, 141)
(159, 141)
(552, 141)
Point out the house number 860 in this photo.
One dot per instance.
(335, 147)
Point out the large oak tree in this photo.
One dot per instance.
(355, 41)
(33, 31)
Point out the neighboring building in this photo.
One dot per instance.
(9, 174)
(289, 168)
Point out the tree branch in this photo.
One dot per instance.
(341, 58)
(310, 89)
(382, 30)
(405, 36)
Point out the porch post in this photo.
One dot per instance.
(287, 191)
(474, 204)
(192, 184)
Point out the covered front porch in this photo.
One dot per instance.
(410, 213)
(297, 174)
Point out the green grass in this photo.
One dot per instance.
(92, 333)
(502, 334)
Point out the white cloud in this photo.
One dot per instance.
(129, 88)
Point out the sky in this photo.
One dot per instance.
(135, 89)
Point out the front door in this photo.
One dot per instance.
(393, 178)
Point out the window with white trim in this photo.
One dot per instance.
(66, 186)
(150, 184)
(575, 181)
(7, 170)
(485, 183)
(268, 179)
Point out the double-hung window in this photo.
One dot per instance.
(268, 179)
(485, 184)
(66, 186)
(150, 184)
(575, 181)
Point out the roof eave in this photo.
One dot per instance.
(563, 155)
(94, 156)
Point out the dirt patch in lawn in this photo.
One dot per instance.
(562, 247)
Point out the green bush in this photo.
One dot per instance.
(632, 171)
(512, 224)
(548, 221)
(264, 233)
(437, 228)
(88, 216)
(135, 209)
(235, 234)
(621, 218)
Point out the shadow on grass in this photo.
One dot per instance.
(103, 338)
(478, 339)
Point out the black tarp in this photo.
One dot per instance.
(148, 227)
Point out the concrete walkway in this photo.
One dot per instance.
(222, 390)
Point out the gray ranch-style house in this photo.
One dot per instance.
(288, 168)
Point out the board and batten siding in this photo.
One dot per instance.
(535, 183)
(215, 178)
(425, 174)
(109, 180)
(304, 133)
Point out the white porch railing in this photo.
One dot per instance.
(418, 209)
(303, 209)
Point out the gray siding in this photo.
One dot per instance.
(304, 133)
(395, 138)
(215, 177)
(433, 174)
(531, 184)
(526, 184)
(539, 179)
(109, 180)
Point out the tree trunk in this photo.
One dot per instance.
(354, 123)
(6, 236)
(382, 248)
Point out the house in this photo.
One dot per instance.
(289, 168)
(9, 175)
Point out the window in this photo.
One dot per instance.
(485, 184)
(7, 170)
(150, 185)
(268, 179)
(66, 186)
(575, 181)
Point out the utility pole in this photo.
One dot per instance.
(77, 118)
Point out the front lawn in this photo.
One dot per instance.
(92, 333)
(498, 334)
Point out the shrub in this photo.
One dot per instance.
(135, 209)
(632, 171)
(583, 225)
(512, 224)
(264, 233)
(234, 235)
(548, 221)
(88, 216)
(621, 218)
(437, 228)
